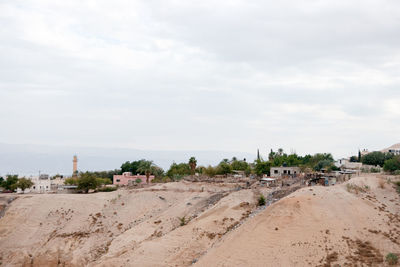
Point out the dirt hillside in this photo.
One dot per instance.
(206, 224)
(138, 227)
(351, 224)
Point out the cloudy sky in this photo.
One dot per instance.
(313, 76)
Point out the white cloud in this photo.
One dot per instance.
(237, 75)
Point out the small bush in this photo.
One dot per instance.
(397, 186)
(381, 184)
(107, 189)
(182, 220)
(261, 201)
(392, 259)
(138, 180)
(375, 170)
(356, 189)
(71, 181)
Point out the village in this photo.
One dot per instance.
(271, 176)
(145, 220)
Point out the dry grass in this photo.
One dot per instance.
(381, 183)
(352, 188)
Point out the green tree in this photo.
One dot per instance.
(71, 181)
(87, 181)
(177, 171)
(376, 158)
(158, 172)
(102, 181)
(147, 167)
(223, 168)
(201, 169)
(392, 165)
(210, 171)
(10, 182)
(320, 160)
(271, 155)
(323, 164)
(262, 167)
(132, 167)
(192, 164)
(239, 165)
(353, 159)
(105, 174)
(24, 183)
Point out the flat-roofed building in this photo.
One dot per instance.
(126, 178)
(285, 171)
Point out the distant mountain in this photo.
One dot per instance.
(29, 159)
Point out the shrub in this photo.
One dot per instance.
(392, 165)
(381, 184)
(356, 188)
(182, 220)
(392, 259)
(71, 181)
(138, 180)
(103, 181)
(397, 186)
(261, 201)
(107, 189)
(375, 170)
(210, 171)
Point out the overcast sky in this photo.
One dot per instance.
(313, 76)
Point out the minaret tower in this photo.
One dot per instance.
(75, 166)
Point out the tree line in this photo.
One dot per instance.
(389, 161)
(12, 182)
(317, 162)
(258, 167)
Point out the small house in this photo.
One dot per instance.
(285, 172)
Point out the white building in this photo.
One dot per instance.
(345, 163)
(43, 184)
(395, 149)
(284, 171)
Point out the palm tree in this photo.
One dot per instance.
(192, 164)
(146, 167)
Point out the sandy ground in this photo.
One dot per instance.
(138, 227)
(223, 227)
(318, 226)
